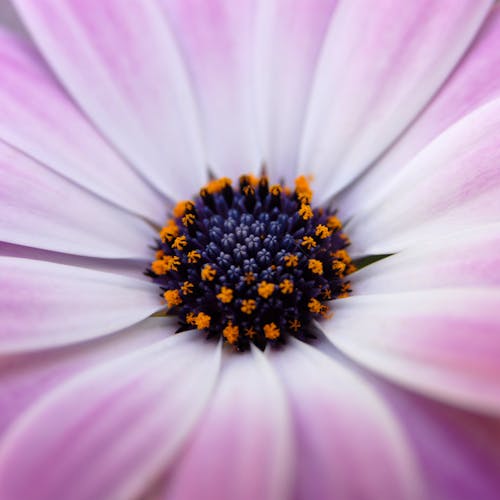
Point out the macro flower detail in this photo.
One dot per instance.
(249, 242)
(249, 250)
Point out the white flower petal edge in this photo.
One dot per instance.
(453, 183)
(39, 118)
(41, 209)
(243, 447)
(469, 257)
(475, 81)
(375, 75)
(216, 39)
(444, 343)
(44, 304)
(129, 79)
(27, 377)
(289, 37)
(108, 444)
(342, 426)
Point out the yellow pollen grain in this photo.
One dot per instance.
(275, 189)
(316, 266)
(159, 267)
(250, 332)
(346, 289)
(339, 267)
(314, 306)
(182, 207)
(187, 288)
(265, 289)
(248, 306)
(188, 219)
(225, 295)
(248, 191)
(179, 243)
(172, 262)
(322, 231)
(306, 211)
(194, 256)
(286, 286)
(308, 242)
(294, 325)
(202, 321)
(191, 318)
(334, 223)
(343, 256)
(172, 297)
(326, 293)
(249, 278)
(159, 254)
(271, 331)
(231, 332)
(208, 273)
(169, 231)
(291, 260)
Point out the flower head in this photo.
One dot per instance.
(258, 160)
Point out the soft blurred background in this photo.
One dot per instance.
(8, 17)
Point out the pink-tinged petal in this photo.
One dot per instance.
(216, 38)
(39, 118)
(466, 258)
(43, 304)
(112, 430)
(457, 451)
(27, 377)
(122, 67)
(128, 267)
(349, 445)
(42, 209)
(242, 448)
(378, 69)
(475, 81)
(290, 35)
(454, 183)
(444, 343)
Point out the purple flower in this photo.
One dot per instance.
(116, 110)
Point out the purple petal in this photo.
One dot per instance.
(349, 445)
(444, 343)
(242, 448)
(109, 432)
(42, 209)
(378, 68)
(43, 304)
(40, 119)
(122, 67)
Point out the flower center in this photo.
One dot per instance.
(254, 263)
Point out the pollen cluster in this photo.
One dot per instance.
(252, 263)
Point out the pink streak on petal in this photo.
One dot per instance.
(130, 81)
(27, 377)
(474, 82)
(290, 34)
(39, 118)
(349, 445)
(112, 430)
(42, 209)
(458, 451)
(44, 304)
(242, 448)
(375, 75)
(454, 183)
(217, 41)
(443, 343)
(467, 258)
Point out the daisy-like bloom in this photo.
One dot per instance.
(249, 249)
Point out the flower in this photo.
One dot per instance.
(114, 113)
